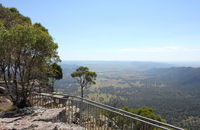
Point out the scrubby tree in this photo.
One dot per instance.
(126, 123)
(146, 112)
(84, 77)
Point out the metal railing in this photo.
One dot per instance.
(96, 116)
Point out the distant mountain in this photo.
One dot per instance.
(118, 65)
(177, 76)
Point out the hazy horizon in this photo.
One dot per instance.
(172, 64)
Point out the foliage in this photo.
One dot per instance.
(10, 17)
(84, 77)
(120, 120)
(146, 112)
(55, 73)
(26, 53)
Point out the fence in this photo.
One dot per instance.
(96, 116)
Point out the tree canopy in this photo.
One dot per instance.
(10, 17)
(127, 123)
(55, 73)
(146, 112)
(84, 77)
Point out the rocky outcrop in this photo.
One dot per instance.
(36, 118)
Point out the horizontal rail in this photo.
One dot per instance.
(128, 113)
(164, 128)
(121, 112)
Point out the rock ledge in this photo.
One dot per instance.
(36, 118)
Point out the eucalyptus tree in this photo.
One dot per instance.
(84, 77)
(27, 52)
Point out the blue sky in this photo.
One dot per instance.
(142, 30)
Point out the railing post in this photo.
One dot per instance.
(81, 111)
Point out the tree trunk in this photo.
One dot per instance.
(23, 103)
(52, 87)
(82, 91)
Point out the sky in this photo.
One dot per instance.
(125, 30)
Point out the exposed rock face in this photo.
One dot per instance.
(36, 118)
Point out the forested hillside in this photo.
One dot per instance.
(173, 92)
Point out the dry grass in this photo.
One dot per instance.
(6, 104)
